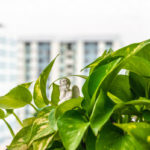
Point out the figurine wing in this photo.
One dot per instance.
(75, 91)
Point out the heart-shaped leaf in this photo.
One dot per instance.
(16, 98)
(72, 127)
(102, 111)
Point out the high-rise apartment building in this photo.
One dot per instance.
(75, 53)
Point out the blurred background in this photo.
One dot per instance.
(33, 32)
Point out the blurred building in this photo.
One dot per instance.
(75, 53)
(8, 75)
(8, 60)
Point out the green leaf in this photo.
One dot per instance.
(101, 113)
(44, 111)
(99, 74)
(146, 115)
(52, 120)
(28, 121)
(137, 84)
(9, 112)
(68, 105)
(95, 80)
(90, 140)
(72, 127)
(127, 52)
(42, 143)
(55, 94)
(56, 145)
(140, 101)
(26, 85)
(138, 65)
(2, 114)
(114, 98)
(120, 87)
(40, 128)
(112, 138)
(16, 98)
(139, 130)
(20, 141)
(39, 95)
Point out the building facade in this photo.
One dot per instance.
(75, 53)
(8, 76)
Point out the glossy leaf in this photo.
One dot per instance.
(26, 85)
(55, 94)
(52, 120)
(42, 143)
(2, 114)
(72, 127)
(113, 138)
(114, 98)
(120, 87)
(138, 65)
(139, 130)
(43, 80)
(101, 113)
(16, 98)
(68, 105)
(28, 121)
(39, 95)
(20, 142)
(90, 140)
(137, 84)
(146, 115)
(99, 74)
(44, 111)
(95, 80)
(40, 128)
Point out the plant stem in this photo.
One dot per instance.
(33, 107)
(9, 127)
(17, 118)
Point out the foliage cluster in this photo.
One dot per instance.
(113, 113)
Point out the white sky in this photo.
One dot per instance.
(128, 18)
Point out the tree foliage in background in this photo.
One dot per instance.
(112, 114)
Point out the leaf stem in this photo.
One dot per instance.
(17, 118)
(33, 107)
(9, 127)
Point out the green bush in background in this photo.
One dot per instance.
(113, 114)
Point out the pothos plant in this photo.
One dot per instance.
(112, 114)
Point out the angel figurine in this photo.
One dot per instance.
(65, 92)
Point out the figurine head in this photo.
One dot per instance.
(65, 82)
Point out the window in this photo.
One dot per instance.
(69, 56)
(27, 60)
(2, 52)
(69, 66)
(27, 77)
(108, 45)
(27, 47)
(90, 52)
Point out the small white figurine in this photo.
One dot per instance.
(65, 92)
